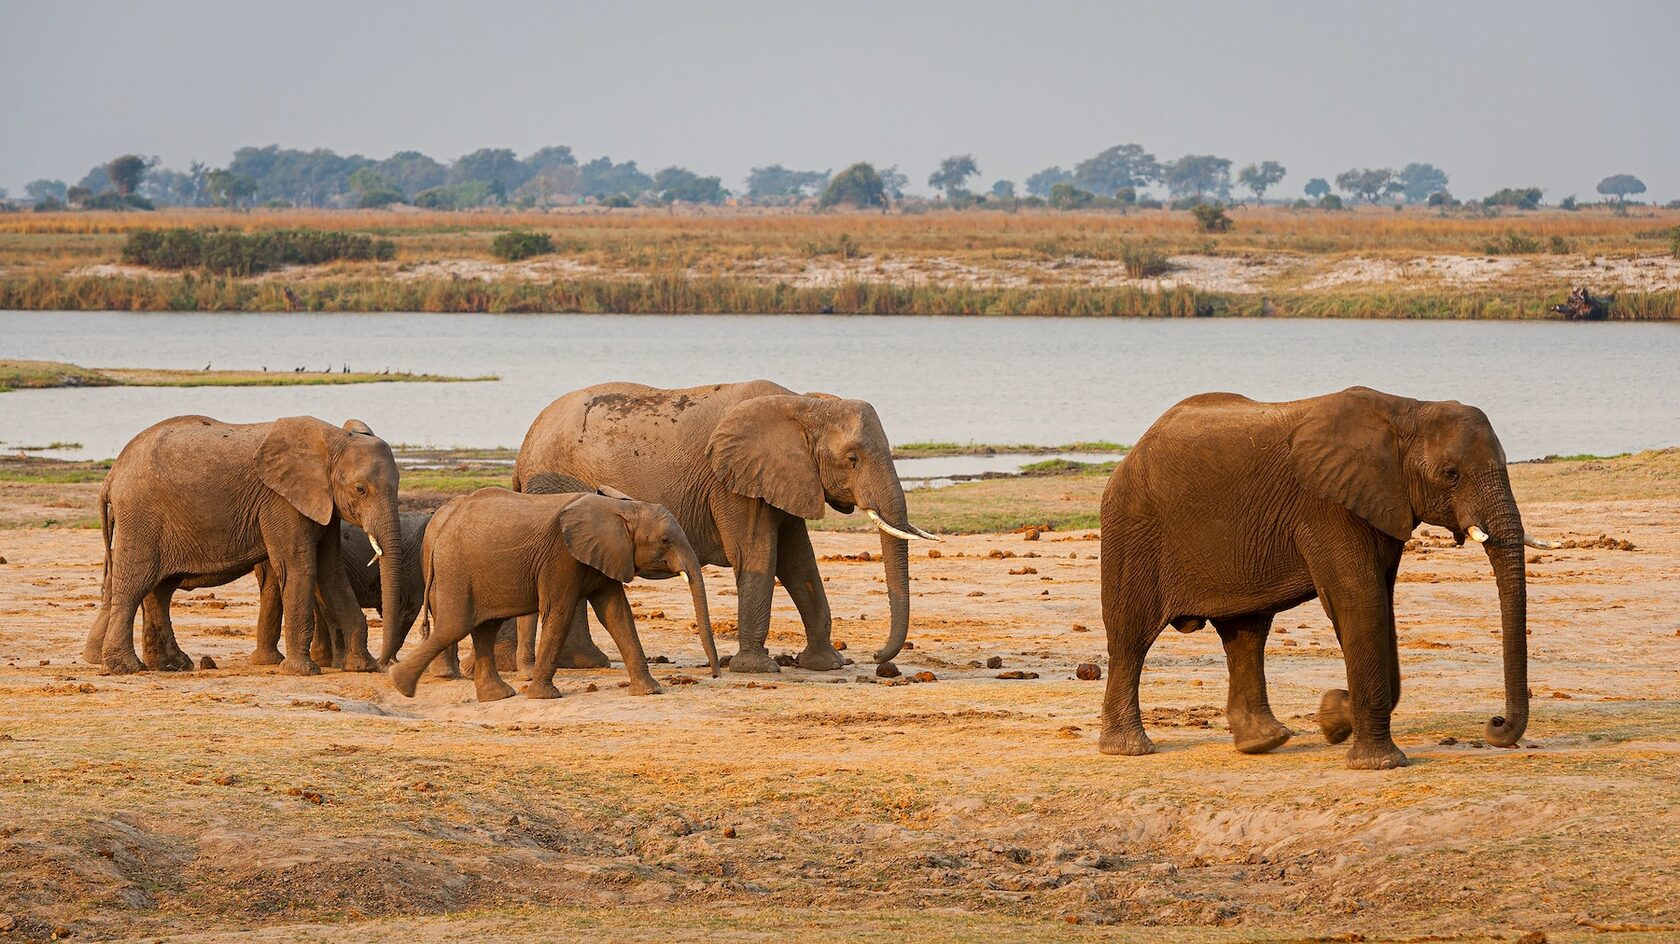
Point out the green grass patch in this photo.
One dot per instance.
(32, 471)
(456, 481)
(1068, 467)
(47, 374)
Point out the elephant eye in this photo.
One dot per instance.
(851, 457)
(361, 489)
(1451, 473)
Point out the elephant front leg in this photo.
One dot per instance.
(1364, 624)
(754, 561)
(796, 568)
(561, 612)
(1254, 729)
(346, 621)
(295, 568)
(269, 609)
(612, 607)
(579, 650)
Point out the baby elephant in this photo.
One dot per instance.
(497, 554)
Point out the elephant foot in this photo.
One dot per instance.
(756, 662)
(360, 662)
(269, 656)
(123, 663)
(1133, 743)
(1384, 756)
(1335, 715)
(404, 678)
(645, 686)
(174, 661)
(536, 689)
(302, 665)
(1260, 738)
(581, 658)
(495, 690)
(447, 668)
(820, 659)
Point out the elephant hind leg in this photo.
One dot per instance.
(269, 609)
(486, 680)
(1132, 629)
(579, 650)
(1254, 729)
(161, 649)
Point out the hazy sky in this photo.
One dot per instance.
(1556, 95)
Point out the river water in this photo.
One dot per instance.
(1550, 387)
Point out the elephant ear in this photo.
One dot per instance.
(357, 426)
(598, 535)
(762, 449)
(1346, 450)
(294, 463)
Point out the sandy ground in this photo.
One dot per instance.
(1244, 274)
(237, 803)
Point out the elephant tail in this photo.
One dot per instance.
(107, 529)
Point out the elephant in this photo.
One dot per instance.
(195, 502)
(1231, 510)
(356, 554)
(496, 554)
(742, 467)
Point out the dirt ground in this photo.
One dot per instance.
(237, 803)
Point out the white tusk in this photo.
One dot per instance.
(684, 575)
(378, 552)
(930, 537)
(1542, 545)
(1477, 535)
(887, 527)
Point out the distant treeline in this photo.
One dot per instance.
(1121, 176)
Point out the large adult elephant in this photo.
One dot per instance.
(1232, 510)
(193, 501)
(742, 467)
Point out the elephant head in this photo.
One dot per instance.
(1395, 462)
(322, 470)
(626, 539)
(800, 453)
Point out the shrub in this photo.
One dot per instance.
(843, 246)
(519, 244)
(1144, 260)
(1514, 244)
(1523, 198)
(230, 253)
(618, 201)
(1211, 218)
(1559, 245)
(1674, 241)
(1330, 202)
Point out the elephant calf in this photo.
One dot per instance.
(357, 555)
(496, 554)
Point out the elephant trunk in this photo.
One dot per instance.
(1505, 553)
(386, 529)
(895, 561)
(702, 614)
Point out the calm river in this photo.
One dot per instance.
(1549, 387)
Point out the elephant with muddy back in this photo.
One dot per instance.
(742, 466)
(1230, 511)
(195, 502)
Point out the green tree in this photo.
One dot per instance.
(952, 175)
(1123, 165)
(675, 184)
(549, 158)
(228, 189)
(1066, 196)
(1040, 183)
(411, 172)
(491, 165)
(1260, 178)
(1521, 198)
(1366, 182)
(601, 178)
(1317, 188)
(126, 173)
(1621, 186)
(1417, 182)
(1003, 189)
(1198, 174)
(858, 185)
(43, 190)
(893, 182)
(776, 182)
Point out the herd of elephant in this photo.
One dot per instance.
(1227, 510)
